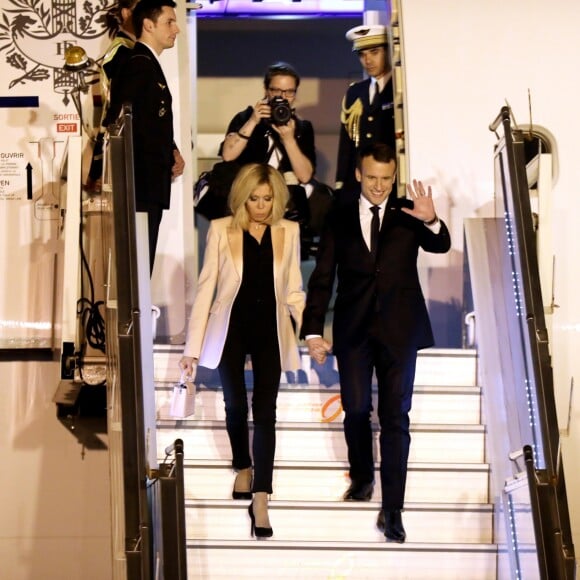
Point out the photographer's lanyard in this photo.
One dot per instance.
(274, 155)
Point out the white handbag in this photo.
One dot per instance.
(183, 399)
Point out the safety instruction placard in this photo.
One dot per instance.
(13, 175)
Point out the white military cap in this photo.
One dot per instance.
(367, 36)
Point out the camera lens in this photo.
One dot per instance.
(281, 111)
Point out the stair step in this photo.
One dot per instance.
(445, 367)
(340, 521)
(430, 483)
(527, 561)
(335, 560)
(447, 517)
(308, 403)
(324, 441)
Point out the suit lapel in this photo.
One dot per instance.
(391, 214)
(236, 245)
(278, 235)
(384, 98)
(352, 221)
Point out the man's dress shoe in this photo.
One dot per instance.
(359, 492)
(391, 524)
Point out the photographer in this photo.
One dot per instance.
(270, 132)
(254, 137)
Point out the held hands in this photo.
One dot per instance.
(423, 207)
(318, 348)
(188, 366)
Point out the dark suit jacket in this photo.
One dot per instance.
(382, 299)
(375, 125)
(142, 83)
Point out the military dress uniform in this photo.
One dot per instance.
(141, 83)
(113, 61)
(364, 120)
(362, 123)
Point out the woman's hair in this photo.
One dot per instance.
(114, 17)
(249, 178)
(280, 69)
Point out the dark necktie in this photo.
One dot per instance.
(375, 92)
(375, 227)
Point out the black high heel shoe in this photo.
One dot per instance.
(257, 531)
(243, 480)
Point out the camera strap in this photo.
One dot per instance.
(274, 154)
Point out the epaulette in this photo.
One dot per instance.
(350, 118)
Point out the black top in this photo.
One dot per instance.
(254, 308)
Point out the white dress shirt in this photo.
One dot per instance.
(377, 85)
(366, 217)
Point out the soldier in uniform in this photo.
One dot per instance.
(119, 24)
(142, 83)
(367, 114)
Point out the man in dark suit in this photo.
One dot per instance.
(142, 83)
(367, 114)
(380, 320)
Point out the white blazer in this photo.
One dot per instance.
(221, 276)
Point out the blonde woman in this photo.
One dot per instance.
(249, 301)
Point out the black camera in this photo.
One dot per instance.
(281, 111)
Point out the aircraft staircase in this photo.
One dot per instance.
(448, 516)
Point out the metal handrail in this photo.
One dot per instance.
(172, 503)
(543, 459)
(138, 528)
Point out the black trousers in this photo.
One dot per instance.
(266, 366)
(395, 370)
(154, 215)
